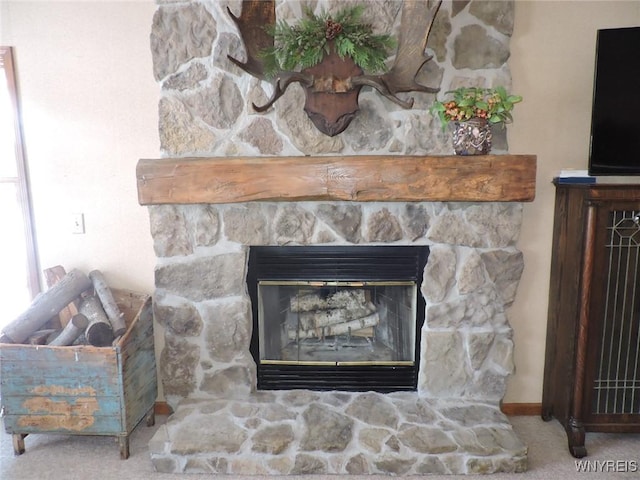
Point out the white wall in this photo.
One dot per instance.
(90, 112)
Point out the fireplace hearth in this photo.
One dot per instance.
(337, 317)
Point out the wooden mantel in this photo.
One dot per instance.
(490, 178)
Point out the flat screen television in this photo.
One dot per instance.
(615, 117)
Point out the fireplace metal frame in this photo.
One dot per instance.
(339, 263)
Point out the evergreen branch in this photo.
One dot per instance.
(304, 45)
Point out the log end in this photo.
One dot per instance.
(99, 334)
(80, 321)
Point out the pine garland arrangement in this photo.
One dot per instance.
(305, 45)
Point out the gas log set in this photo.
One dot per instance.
(340, 313)
(76, 309)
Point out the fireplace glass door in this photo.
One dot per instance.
(337, 317)
(337, 323)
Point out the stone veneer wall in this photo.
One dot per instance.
(205, 106)
(470, 279)
(205, 110)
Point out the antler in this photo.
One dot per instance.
(281, 84)
(415, 25)
(255, 17)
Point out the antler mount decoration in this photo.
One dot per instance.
(333, 85)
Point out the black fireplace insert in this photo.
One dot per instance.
(337, 317)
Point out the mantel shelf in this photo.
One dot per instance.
(486, 178)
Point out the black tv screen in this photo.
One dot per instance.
(615, 116)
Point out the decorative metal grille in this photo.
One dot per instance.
(617, 384)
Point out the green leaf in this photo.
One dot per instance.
(467, 100)
(500, 90)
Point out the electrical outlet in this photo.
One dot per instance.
(77, 223)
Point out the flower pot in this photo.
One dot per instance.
(472, 137)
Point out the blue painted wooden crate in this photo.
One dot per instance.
(83, 390)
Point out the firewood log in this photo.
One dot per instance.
(323, 318)
(73, 330)
(98, 332)
(339, 299)
(52, 276)
(41, 336)
(365, 332)
(115, 316)
(339, 329)
(45, 306)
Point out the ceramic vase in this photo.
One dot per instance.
(472, 137)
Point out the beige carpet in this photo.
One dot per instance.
(63, 457)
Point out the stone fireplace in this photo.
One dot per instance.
(450, 423)
(211, 200)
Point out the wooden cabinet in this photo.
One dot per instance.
(592, 361)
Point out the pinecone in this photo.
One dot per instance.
(333, 29)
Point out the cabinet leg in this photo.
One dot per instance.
(151, 418)
(18, 443)
(576, 437)
(123, 441)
